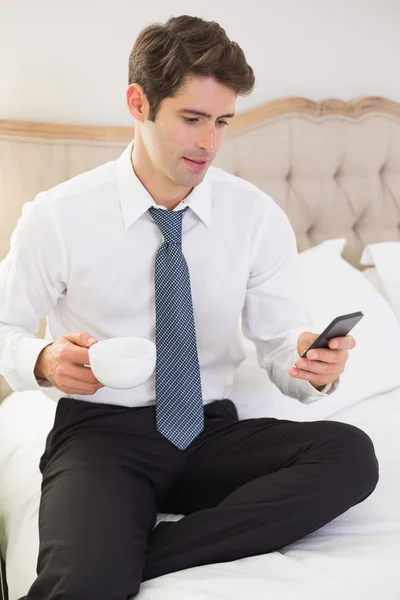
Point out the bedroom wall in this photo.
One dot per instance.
(67, 61)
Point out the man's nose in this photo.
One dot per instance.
(208, 141)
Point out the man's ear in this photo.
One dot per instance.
(137, 102)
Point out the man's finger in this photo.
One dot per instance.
(74, 354)
(314, 377)
(317, 367)
(328, 355)
(76, 386)
(83, 374)
(346, 342)
(305, 340)
(80, 338)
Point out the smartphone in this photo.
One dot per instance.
(339, 327)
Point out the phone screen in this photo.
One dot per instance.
(339, 327)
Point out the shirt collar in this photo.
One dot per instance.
(136, 200)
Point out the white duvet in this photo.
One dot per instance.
(354, 557)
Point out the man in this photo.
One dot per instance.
(159, 244)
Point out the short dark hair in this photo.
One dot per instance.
(165, 54)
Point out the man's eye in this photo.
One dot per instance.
(196, 120)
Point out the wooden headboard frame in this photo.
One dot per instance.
(354, 109)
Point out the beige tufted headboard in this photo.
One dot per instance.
(333, 166)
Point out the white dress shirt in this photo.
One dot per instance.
(82, 254)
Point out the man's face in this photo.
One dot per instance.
(188, 130)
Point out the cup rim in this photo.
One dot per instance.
(152, 348)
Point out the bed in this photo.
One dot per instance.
(335, 169)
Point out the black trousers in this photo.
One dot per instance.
(246, 488)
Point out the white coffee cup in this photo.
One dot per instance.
(123, 362)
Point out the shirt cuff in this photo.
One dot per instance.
(26, 357)
(325, 389)
(316, 394)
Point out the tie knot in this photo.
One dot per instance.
(169, 222)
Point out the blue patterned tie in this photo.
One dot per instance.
(179, 401)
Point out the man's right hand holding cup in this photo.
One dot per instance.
(62, 364)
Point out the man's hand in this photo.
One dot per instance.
(321, 365)
(62, 363)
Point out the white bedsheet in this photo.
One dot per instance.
(355, 556)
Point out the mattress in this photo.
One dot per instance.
(354, 556)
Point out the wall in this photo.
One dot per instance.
(66, 61)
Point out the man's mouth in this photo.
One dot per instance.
(195, 164)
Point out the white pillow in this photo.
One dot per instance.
(25, 420)
(385, 256)
(331, 287)
(372, 275)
